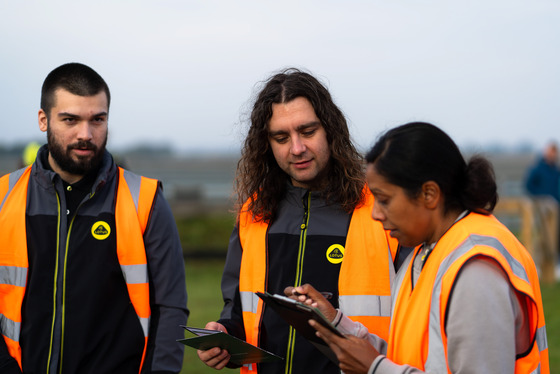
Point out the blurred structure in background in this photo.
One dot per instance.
(202, 184)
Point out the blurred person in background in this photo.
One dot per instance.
(543, 183)
(543, 178)
(90, 259)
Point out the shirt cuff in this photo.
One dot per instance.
(375, 364)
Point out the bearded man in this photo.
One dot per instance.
(91, 272)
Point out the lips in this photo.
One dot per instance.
(83, 151)
(302, 164)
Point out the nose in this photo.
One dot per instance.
(376, 212)
(298, 146)
(84, 131)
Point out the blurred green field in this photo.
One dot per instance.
(205, 304)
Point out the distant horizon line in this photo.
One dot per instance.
(165, 148)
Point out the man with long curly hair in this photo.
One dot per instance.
(304, 216)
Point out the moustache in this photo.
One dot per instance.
(83, 145)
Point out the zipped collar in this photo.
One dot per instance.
(46, 177)
(295, 196)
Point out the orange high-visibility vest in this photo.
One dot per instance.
(418, 336)
(365, 277)
(135, 196)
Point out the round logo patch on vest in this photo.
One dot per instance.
(100, 230)
(335, 254)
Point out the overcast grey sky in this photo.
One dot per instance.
(182, 72)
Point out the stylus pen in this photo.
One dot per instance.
(326, 295)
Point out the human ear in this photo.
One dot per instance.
(43, 120)
(431, 195)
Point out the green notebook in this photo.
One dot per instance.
(241, 352)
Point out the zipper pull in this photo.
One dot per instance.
(305, 202)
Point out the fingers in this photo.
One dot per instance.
(308, 290)
(215, 326)
(306, 294)
(291, 292)
(324, 333)
(216, 358)
(355, 355)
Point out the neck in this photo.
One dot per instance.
(443, 225)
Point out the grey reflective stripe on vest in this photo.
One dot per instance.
(145, 322)
(249, 301)
(10, 328)
(436, 361)
(365, 305)
(369, 305)
(12, 180)
(134, 274)
(133, 182)
(542, 341)
(13, 276)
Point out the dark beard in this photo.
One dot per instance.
(83, 165)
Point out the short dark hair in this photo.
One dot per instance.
(258, 173)
(76, 78)
(417, 152)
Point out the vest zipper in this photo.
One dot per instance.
(49, 359)
(63, 305)
(63, 280)
(299, 275)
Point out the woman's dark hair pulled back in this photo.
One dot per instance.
(417, 152)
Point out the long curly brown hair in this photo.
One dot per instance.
(261, 182)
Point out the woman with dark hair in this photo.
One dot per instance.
(467, 300)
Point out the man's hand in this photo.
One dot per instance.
(216, 357)
(355, 355)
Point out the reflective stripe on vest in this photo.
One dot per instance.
(365, 275)
(412, 311)
(131, 216)
(13, 256)
(130, 226)
(367, 271)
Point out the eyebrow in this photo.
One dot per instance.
(66, 114)
(377, 191)
(301, 127)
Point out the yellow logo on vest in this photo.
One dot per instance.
(335, 254)
(100, 230)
